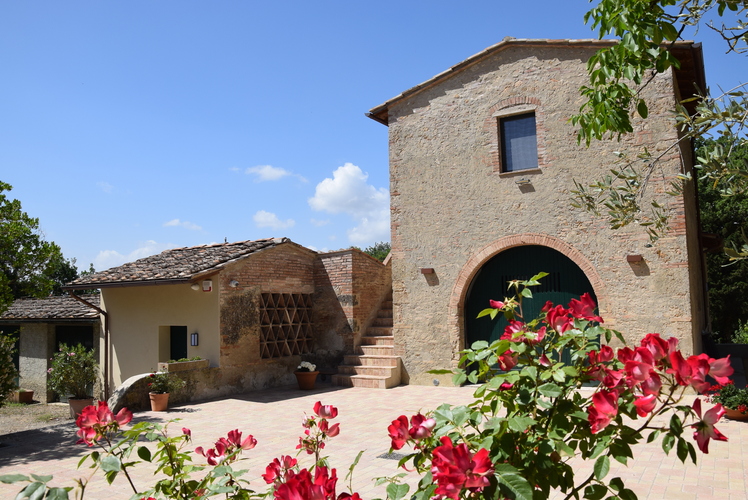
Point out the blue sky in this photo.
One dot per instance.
(132, 127)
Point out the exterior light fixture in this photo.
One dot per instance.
(194, 339)
(233, 283)
(195, 287)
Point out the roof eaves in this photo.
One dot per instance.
(120, 284)
(380, 113)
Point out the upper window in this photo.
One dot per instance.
(519, 145)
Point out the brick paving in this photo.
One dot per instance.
(274, 418)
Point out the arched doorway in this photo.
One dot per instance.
(564, 282)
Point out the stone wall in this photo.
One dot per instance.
(453, 209)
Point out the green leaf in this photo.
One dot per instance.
(520, 423)
(459, 378)
(58, 493)
(676, 426)
(550, 390)
(667, 443)
(13, 478)
(526, 292)
(595, 491)
(602, 467)
(440, 372)
(144, 453)
(111, 463)
(516, 484)
(42, 479)
(682, 449)
(397, 491)
(34, 491)
(479, 344)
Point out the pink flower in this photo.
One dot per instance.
(659, 347)
(235, 439)
(603, 409)
(584, 308)
(508, 360)
(277, 471)
(421, 426)
(325, 411)
(645, 404)
(495, 304)
(705, 429)
(328, 430)
(94, 422)
(547, 306)
(514, 331)
(455, 468)
(187, 432)
(398, 431)
(301, 485)
(558, 319)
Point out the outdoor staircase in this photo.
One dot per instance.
(375, 366)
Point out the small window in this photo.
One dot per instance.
(519, 145)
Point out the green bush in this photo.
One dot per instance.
(8, 372)
(741, 334)
(74, 371)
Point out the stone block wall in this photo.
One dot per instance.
(453, 209)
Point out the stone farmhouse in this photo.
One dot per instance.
(482, 164)
(253, 309)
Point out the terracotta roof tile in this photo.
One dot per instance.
(176, 264)
(56, 307)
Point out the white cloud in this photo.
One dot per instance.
(348, 192)
(185, 224)
(270, 173)
(235, 169)
(105, 186)
(269, 219)
(112, 258)
(319, 223)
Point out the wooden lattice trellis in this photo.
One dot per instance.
(285, 324)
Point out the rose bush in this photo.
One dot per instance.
(529, 418)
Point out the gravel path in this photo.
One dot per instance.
(16, 417)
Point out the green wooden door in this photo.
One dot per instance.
(564, 282)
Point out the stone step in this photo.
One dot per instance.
(378, 340)
(377, 350)
(385, 322)
(365, 381)
(371, 360)
(378, 331)
(372, 371)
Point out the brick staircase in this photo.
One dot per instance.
(375, 366)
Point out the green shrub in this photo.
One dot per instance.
(74, 371)
(8, 372)
(741, 334)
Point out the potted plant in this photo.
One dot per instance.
(160, 385)
(73, 373)
(306, 374)
(25, 396)
(734, 399)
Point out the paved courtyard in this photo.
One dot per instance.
(274, 418)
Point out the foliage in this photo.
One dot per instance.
(164, 382)
(379, 250)
(727, 278)
(119, 451)
(8, 372)
(73, 372)
(528, 419)
(731, 397)
(741, 334)
(27, 262)
(619, 73)
(181, 360)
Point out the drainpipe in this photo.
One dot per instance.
(106, 340)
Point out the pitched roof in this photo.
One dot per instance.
(177, 265)
(687, 52)
(63, 307)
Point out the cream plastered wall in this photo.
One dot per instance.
(136, 314)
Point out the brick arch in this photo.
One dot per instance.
(474, 263)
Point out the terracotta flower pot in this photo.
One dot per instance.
(735, 414)
(26, 397)
(77, 405)
(306, 380)
(159, 402)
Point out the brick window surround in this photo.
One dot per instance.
(509, 108)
